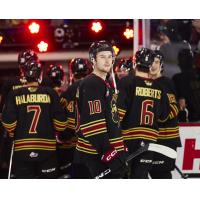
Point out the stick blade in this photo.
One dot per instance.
(167, 151)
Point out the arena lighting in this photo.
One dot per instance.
(128, 33)
(34, 28)
(42, 46)
(96, 26)
(1, 39)
(59, 34)
(116, 49)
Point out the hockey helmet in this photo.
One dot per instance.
(99, 46)
(80, 67)
(26, 55)
(125, 65)
(144, 58)
(56, 74)
(32, 70)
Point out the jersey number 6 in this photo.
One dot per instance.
(147, 116)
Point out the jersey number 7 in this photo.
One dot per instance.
(37, 111)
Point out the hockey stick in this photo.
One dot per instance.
(10, 163)
(184, 176)
(114, 81)
(167, 151)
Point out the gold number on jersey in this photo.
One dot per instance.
(70, 106)
(147, 116)
(94, 106)
(37, 111)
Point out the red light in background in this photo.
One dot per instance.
(34, 28)
(116, 49)
(96, 26)
(42, 46)
(128, 33)
(1, 39)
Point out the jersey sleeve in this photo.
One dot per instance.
(122, 102)
(9, 114)
(67, 102)
(58, 114)
(165, 108)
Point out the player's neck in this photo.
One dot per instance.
(99, 73)
(141, 74)
(155, 76)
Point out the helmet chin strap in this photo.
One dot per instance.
(114, 81)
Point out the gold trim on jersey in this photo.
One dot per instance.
(121, 113)
(59, 126)
(168, 133)
(85, 146)
(117, 143)
(71, 123)
(140, 133)
(35, 144)
(94, 128)
(10, 127)
(174, 111)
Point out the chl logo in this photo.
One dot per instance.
(190, 153)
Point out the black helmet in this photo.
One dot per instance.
(26, 55)
(144, 58)
(125, 65)
(32, 70)
(160, 56)
(99, 46)
(80, 67)
(56, 74)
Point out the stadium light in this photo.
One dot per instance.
(42, 46)
(128, 33)
(96, 26)
(34, 28)
(1, 39)
(116, 49)
(59, 34)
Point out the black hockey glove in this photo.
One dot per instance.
(116, 161)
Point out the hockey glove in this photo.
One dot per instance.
(116, 161)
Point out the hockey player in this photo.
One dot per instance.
(56, 76)
(55, 79)
(100, 143)
(124, 68)
(31, 115)
(141, 104)
(79, 68)
(9, 85)
(168, 130)
(17, 81)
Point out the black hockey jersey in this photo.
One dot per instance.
(169, 130)
(141, 103)
(9, 85)
(32, 115)
(67, 100)
(97, 121)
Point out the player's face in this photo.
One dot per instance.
(104, 61)
(156, 68)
